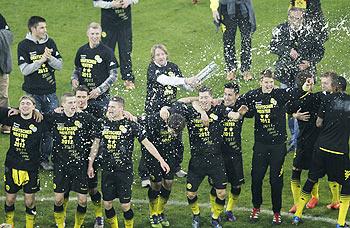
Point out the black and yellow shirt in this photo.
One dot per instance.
(72, 138)
(334, 135)
(269, 110)
(95, 64)
(205, 141)
(117, 140)
(25, 140)
(43, 80)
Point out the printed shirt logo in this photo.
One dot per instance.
(98, 58)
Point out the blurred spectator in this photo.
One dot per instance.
(233, 14)
(6, 39)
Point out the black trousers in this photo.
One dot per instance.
(242, 22)
(263, 157)
(121, 34)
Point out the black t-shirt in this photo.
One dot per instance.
(94, 111)
(159, 95)
(231, 131)
(117, 140)
(205, 141)
(72, 138)
(269, 110)
(307, 102)
(95, 64)
(335, 112)
(159, 135)
(25, 140)
(112, 17)
(42, 81)
(3, 23)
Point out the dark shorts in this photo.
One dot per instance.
(117, 184)
(302, 157)
(156, 171)
(68, 179)
(197, 171)
(30, 187)
(234, 167)
(335, 166)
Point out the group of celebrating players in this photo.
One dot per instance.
(91, 129)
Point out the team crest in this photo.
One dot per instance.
(213, 116)
(7, 188)
(103, 34)
(77, 123)
(122, 129)
(273, 101)
(33, 128)
(171, 74)
(188, 185)
(98, 58)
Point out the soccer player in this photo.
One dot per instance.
(117, 28)
(82, 97)
(166, 136)
(38, 59)
(309, 104)
(267, 105)
(117, 136)
(163, 79)
(305, 111)
(332, 154)
(72, 134)
(206, 158)
(22, 160)
(231, 149)
(96, 68)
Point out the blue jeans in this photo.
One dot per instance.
(46, 104)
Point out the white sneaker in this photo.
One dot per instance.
(145, 183)
(181, 173)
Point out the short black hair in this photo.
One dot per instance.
(267, 73)
(82, 88)
(205, 89)
(34, 21)
(176, 122)
(232, 85)
(301, 77)
(118, 99)
(341, 84)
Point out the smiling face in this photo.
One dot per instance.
(267, 84)
(160, 57)
(296, 19)
(230, 97)
(39, 31)
(205, 100)
(94, 35)
(26, 107)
